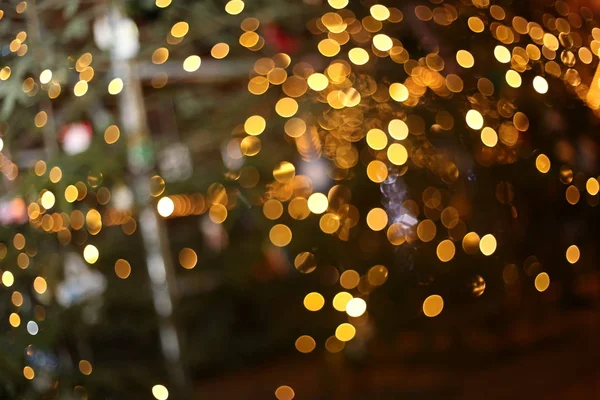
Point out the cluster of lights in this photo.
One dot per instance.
(394, 142)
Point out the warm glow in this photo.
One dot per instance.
(192, 63)
(433, 305)
(318, 203)
(91, 254)
(356, 307)
(474, 119)
(160, 392)
(115, 86)
(165, 207)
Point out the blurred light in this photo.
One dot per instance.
(192, 63)
(8, 279)
(314, 301)
(540, 85)
(474, 119)
(85, 367)
(488, 245)
(165, 207)
(115, 86)
(345, 332)
(91, 253)
(356, 307)
(573, 254)
(318, 203)
(234, 7)
(542, 282)
(433, 305)
(160, 392)
(284, 393)
(32, 328)
(163, 3)
(48, 200)
(46, 76)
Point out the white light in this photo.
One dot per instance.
(32, 328)
(356, 307)
(165, 207)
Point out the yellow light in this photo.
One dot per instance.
(540, 85)
(91, 254)
(338, 4)
(318, 82)
(398, 129)
(28, 373)
(314, 301)
(397, 154)
(45, 76)
(160, 392)
(592, 186)
(218, 213)
(286, 107)
(573, 254)
(280, 235)
(446, 250)
(165, 207)
(255, 125)
(80, 88)
(329, 47)
(188, 258)
(398, 92)
(377, 171)
(112, 134)
(465, 59)
(55, 174)
(234, 7)
(502, 54)
(379, 12)
(488, 245)
(5, 73)
(433, 305)
(377, 219)
(180, 29)
(340, 301)
(40, 285)
(192, 63)
(489, 137)
(474, 119)
(358, 56)
(219, 51)
(318, 203)
(382, 42)
(356, 307)
(345, 332)
(163, 3)
(542, 282)
(160, 55)
(8, 279)
(48, 200)
(542, 163)
(115, 86)
(14, 320)
(513, 78)
(476, 24)
(377, 139)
